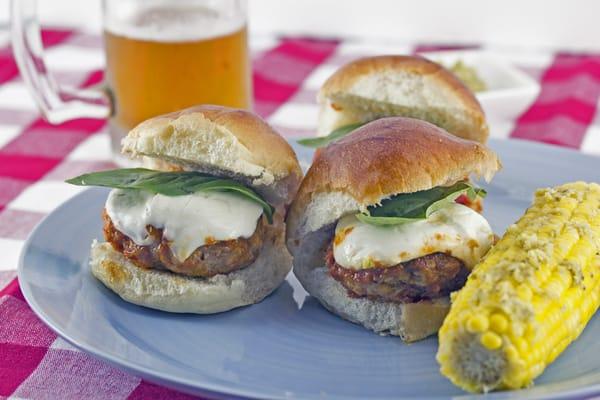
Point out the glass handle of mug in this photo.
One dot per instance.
(57, 104)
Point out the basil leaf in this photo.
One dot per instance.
(475, 192)
(383, 221)
(471, 192)
(438, 205)
(322, 141)
(410, 207)
(169, 183)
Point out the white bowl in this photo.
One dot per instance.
(509, 92)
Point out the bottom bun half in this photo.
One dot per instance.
(410, 321)
(171, 292)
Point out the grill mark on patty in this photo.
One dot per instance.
(428, 277)
(213, 258)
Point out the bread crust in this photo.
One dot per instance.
(221, 140)
(410, 321)
(168, 291)
(390, 70)
(386, 157)
(346, 76)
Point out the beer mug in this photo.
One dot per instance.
(161, 56)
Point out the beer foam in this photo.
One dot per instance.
(173, 24)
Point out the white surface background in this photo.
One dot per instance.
(564, 24)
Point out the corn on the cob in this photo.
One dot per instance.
(530, 297)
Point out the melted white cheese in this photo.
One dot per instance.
(188, 222)
(456, 230)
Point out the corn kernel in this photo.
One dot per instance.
(530, 333)
(524, 293)
(554, 289)
(498, 323)
(565, 278)
(520, 344)
(477, 324)
(537, 369)
(491, 341)
(568, 302)
(512, 353)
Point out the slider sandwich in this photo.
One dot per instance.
(385, 86)
(377, 230)
(202, 230)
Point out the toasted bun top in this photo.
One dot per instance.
(383, 158)
(393, 85)
(219, 140)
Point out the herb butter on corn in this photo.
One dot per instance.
(530, 297)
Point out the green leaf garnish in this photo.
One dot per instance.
(322, 141)
(169, 183)
(411, 207)
(382, 221)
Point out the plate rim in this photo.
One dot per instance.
(222, 391)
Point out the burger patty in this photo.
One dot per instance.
(428, 277)
(220, 257)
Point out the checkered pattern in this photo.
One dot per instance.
(35, 157)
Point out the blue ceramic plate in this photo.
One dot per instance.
(286, 347)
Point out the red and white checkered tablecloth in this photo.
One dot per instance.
(35, 158)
